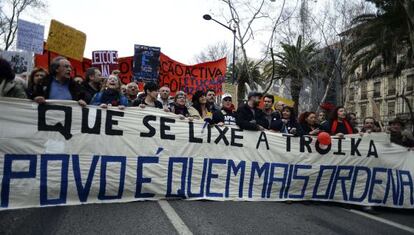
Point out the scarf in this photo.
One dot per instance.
(347, 126)
(110, 96)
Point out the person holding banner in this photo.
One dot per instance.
(164, 97)
(131, 92)
(287, 124)
(249, 116)
(60, 86)
(399, 135)
(92, 84)
(200, 109)
(110, 94)
(150, 99)
(225, 116)
(8, 87)
(179, 106)
(338, 124)
(211, 100)
(369, 126)
(308, 123)
(36, 83)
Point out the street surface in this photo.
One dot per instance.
(206, 217)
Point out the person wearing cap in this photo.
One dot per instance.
(225, 116)
(399, 135)
(249, 116)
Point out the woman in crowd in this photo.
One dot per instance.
(179, 106)
(200, 110)
(110, 94)
(309, 123)
(338, 124)
(36, 87)
(287, 124)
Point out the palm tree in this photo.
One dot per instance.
(376, 39)
(242, 76)
(295, 62)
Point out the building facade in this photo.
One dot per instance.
(380, 96)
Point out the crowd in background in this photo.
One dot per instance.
(57, 84)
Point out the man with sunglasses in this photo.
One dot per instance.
(225, 116)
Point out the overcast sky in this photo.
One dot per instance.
(176, 26)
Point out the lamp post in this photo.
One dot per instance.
(208, 17)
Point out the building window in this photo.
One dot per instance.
(391, 85)
(410, 82)
(363, 90)
(377, 109)
(391, 109)
(377, 89)
(363, 111)
(351, 94)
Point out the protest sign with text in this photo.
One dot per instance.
(66, 41)
(21, 61)
(105, 61)
(190, 78)
(146, 63)
(30, 36)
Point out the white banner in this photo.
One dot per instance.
(30, 36)
(61, 154)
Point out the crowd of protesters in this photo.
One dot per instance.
(57, 84)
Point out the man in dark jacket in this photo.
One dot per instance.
(92, 84)
(60, 86)
(249, 116)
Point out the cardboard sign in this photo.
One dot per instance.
(20, 61)
(30, 36)
(105, 61)
(66, 40)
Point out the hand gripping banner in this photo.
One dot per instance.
(62, 154)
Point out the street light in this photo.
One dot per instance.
(208, 17)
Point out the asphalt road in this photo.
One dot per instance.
(205, 217)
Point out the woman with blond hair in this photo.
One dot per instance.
(110, 94)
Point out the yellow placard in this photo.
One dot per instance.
(288, 102)
(66, 41)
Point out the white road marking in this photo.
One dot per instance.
(175, 220)
(385, 221)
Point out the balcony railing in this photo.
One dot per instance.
(391, 92)
(363, 96)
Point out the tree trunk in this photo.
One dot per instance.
(409, 9)
(295, 87)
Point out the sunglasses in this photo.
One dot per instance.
(227, 99)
